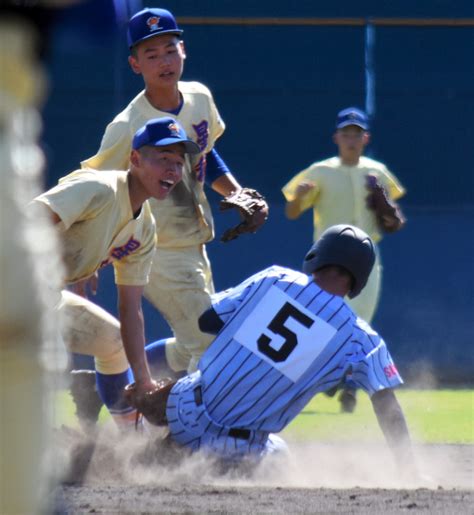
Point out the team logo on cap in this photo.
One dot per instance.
(352, 115)
(174, 129)
(152, 23)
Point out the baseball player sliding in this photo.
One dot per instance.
(350, 188)
(104, 218)
(282, 337)
(181, 279)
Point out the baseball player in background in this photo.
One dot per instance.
(282, 337)
(181, 279)
(338, 190)
(104, 218)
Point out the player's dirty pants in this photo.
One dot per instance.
(365, 304)
(180, 288)
(89, 329)
(191, 426)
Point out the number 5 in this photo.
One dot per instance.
(277, 326)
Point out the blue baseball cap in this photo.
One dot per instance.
(151, 22)
(352, 116)
(160, 132)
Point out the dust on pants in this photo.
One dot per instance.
(91, 330)
(180, 288)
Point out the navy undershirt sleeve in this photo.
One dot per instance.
(209, 322)
(215, 167)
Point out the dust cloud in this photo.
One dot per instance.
(142, 460)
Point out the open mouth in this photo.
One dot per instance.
(167, 184)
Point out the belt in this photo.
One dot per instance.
(234, 432)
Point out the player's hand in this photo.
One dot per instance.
(303, 188)
(145, 386)
(86, 286)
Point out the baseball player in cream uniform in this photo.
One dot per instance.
(335, 189)
(104, 218)
(181, 279)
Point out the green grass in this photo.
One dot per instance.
(433, 416)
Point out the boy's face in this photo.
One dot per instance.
(351, 141)
(159, 169)
(159, 60)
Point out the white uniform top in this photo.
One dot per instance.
(340, 193)
(184, 218)
(98, 226)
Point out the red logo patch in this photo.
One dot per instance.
(390, 371)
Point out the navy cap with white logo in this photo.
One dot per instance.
(151, 22)
(161, 132)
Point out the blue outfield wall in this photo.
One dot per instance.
(278, 89)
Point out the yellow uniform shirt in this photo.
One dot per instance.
(340, 193)
(184, 218)
(98, 227)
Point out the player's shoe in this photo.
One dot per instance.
(84, 394)
(348, 400)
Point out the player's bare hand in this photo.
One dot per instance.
(303, 188)
(86, 286)
(145, 386)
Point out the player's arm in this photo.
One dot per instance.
(394, 427)
(133, 333)
(218, 175)
(300, 194)
(294, 207)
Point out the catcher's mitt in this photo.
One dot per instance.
(252, 208)
(151, 404)
(389, 216)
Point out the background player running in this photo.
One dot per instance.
(283, 336)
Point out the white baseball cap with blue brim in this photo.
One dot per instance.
(161, 132)
(151, 22)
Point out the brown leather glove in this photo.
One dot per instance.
(151, 404)
(389, 216)
(252, 208)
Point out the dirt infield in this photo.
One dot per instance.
(125, 477)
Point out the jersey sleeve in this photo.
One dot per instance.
(391, 184)
(75, 199)
(307, 175)
(114, 151)
(373, 368)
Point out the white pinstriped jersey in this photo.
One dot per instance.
(284, 340)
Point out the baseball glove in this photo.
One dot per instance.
(389, 216)
(151, 404)
(252, 208)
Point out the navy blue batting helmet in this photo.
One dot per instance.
(346, 246)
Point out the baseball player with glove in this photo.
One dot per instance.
(350, 188)
(181, 279)
(104, 218)
(282, 337)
